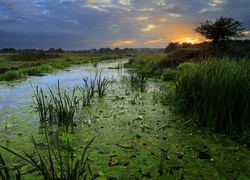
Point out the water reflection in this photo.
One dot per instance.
(15, 95)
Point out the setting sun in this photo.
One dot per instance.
(188, 40)
(191, 41)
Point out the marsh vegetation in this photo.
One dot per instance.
(24, 64)
(103, 121)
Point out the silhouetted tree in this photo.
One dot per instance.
(105, 50)
(59, 50)
(8, 50)
(117, 50)
(171, 47)
(222, 29)
(220, 33)
(51, 50)
(187, 45)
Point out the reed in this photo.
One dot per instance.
(217, 93)
(42, 105)
(138, 81)
(88, 91)
(60, 106)
(102, 85)
(58, 163)
(64, 105)
(93, 85)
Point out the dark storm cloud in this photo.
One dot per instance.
(80, 24)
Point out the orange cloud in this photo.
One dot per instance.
(123, 43)
(155, 41)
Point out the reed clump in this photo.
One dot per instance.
(63, 107)
(97, 84)
(138, 81)
(43, 105)
(102, 84)
(216, 92)
(87, 91)
(59, 106)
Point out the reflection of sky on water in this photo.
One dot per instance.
(17, 94)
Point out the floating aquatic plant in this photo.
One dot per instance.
(57, 164)
(6, 173)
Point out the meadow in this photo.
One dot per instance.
(151, 118)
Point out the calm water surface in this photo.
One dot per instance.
(15, 96)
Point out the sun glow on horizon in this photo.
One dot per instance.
(188, 40)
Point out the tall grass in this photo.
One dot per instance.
(217, 93)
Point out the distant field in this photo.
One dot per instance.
(7, 63)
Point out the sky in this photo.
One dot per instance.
(87, 24)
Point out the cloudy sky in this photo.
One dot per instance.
(87, 24)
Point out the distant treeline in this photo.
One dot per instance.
(91, 51)
(12, 50)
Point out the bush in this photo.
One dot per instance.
(12, 75)
(221, 50)
(217, 93)
(179, 56)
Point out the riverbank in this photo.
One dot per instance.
(18, 66)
